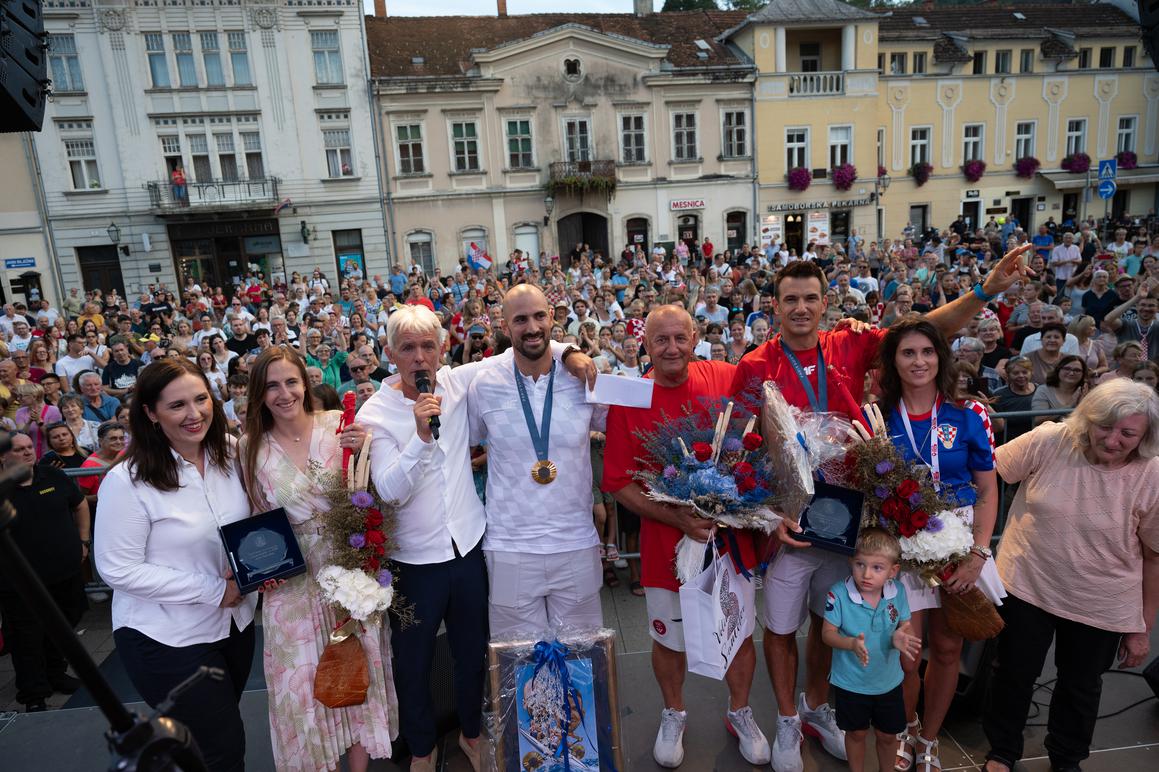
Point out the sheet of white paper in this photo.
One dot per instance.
(621, 390)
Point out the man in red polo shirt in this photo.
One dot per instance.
(821, 371)
(681, 383)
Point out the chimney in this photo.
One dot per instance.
(502, 9)
(643, 7)
(380, 9)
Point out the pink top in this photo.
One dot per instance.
(1073, 545)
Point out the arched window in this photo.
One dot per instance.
(474, 242)
(421, 248)
(527, 239)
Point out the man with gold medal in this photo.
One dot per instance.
(541, 546)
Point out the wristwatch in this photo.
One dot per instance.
(983, 552)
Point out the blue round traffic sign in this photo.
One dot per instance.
(1107, 189)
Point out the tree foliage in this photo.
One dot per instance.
(690, 5)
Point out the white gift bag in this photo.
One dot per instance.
(719, 611)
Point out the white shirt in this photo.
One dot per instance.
(1034, 343)
(68, 367)
(431, 482)
(161, 553)
(522, 515)
(1064, 260)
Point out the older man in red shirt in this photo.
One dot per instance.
(681, 383)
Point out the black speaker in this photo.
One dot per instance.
(1149, 21)
(23, 65)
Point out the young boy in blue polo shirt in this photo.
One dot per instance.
(867, 625)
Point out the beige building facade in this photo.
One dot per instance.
(28, 271)
(553, 130)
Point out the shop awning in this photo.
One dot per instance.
(1068, 181)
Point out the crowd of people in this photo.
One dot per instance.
(512, 515)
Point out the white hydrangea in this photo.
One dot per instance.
(953, 540)
(355, 591)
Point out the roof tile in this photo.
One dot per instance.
(446, 42)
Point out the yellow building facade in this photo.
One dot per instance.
(947, 87)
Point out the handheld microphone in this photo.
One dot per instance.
(423, 384)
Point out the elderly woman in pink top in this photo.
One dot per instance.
(1080, 562)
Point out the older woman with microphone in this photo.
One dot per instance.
(176, 607)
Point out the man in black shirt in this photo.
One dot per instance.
(243, 341)
(120, 376)
(52, 530)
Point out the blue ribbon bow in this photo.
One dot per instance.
(553, 656)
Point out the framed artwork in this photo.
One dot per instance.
(529, 713)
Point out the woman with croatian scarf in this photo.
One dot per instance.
(954, 440)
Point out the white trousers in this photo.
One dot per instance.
(532, 594)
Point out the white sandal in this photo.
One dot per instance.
(929, 755)
(905, 741)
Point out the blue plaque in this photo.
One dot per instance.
(261, 548)
(833, 518)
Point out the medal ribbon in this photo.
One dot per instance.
(819, 400)
(935, 467)
(539, 436)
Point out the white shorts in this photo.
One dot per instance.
(665, 624)
(531, 594)
(796, 583)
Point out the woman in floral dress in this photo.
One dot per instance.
(290, 452)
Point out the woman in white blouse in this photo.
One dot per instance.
(175, 605)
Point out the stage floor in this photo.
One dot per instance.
(71, 739)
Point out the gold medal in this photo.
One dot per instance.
(543, 472)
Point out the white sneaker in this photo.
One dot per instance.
(754, 746)
(821, 723)
(787, 745)
(669, 748)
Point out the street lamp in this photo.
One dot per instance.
(880, 185)
(548, 206)
(114, 233)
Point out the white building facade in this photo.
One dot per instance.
(262, 105)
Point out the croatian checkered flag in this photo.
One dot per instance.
(477, 257)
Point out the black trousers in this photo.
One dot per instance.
(35, 659)
(1081, 654)
(454, 592)
(209, 709)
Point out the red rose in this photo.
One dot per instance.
(906, 528)
(743, 469)
(906, 488)
(373, 519)
(894, 509)
(746, 484)
(375, 538)
(919, 518)
(752, 441)
(379, 549)
(702, 451)
(371, 565)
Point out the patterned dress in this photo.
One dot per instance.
(306, 735)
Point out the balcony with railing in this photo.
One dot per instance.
(219, 194)
(816, 84)
(582, 176)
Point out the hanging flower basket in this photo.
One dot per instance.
(881, 170)
(1127, 160)
(921, 173)
(1077, 163)
(1027, 166)
(799, 178)
(974, 170)
(844, 176)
